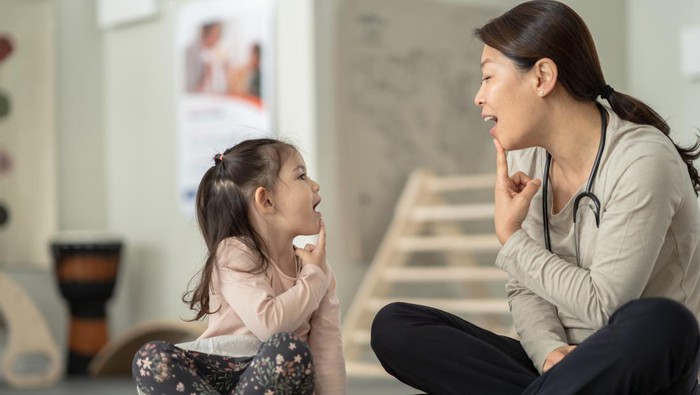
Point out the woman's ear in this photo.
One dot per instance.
(263, 200)
(546, 74)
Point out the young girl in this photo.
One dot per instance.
(274, 320)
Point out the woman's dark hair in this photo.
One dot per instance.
(549, 29)
(223, 199)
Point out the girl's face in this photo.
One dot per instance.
(507, 98)
(297, 196)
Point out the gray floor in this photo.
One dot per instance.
(125, 386)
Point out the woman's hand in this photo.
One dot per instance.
(556, 356)
(314, 254)
(512, 195)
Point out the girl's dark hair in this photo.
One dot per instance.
(223, 199)
(549, 29)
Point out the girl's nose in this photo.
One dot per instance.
(316, 187)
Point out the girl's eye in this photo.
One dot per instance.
(303, 176)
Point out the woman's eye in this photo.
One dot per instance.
(484, 79)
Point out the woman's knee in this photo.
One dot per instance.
(390, 326)
(662, 324)
(663, 315)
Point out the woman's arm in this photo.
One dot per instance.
(325, 341)
(536, 322)
(645, 192)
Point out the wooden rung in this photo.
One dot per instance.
(455, 212)
(360, 337)
(478, 242)
(481, 306)
(456, 183)
(363, 337)
(447, 273)
(424, 221)
(366, 369)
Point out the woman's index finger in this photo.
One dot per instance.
(501, 161)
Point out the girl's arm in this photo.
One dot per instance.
(251, 296)
(326, 343)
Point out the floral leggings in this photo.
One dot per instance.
(283, 365)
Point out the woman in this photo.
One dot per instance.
(599, 224)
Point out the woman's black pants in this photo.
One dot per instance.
(650, 346)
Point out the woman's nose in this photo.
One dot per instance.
(479, 98)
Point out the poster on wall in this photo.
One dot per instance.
(225, 82)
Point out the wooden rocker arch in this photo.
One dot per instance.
(28, 340)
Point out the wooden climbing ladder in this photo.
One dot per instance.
(436, 252)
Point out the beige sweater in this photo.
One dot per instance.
(646, 245)
(271, 302)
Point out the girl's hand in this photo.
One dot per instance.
(314, 254)
(556, 356)
(512, 195)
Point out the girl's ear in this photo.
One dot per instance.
(262, 199)
(546, 73)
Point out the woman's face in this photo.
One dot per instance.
(508, 98)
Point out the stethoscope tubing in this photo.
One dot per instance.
(587, 193)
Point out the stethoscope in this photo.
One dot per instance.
(587, 193)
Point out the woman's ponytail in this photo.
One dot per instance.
(633, 110)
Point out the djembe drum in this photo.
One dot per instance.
(86, 270)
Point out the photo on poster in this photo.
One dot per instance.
(225, 81)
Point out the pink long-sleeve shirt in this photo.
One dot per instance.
(262, 304)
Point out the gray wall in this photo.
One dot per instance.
(654, 63)
(80, 117)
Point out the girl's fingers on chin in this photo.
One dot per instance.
(322, 236)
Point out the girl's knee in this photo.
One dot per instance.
(283, 337)
(147, 354)
(286, 346)
(283, 358)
